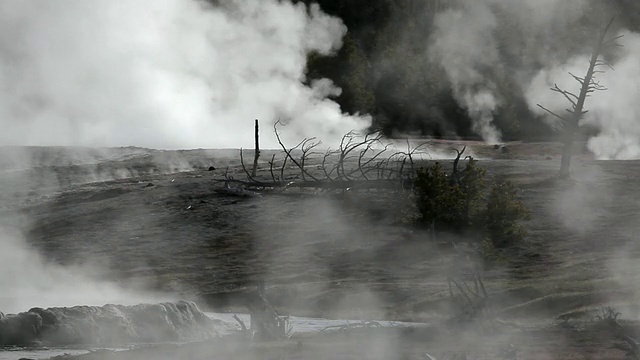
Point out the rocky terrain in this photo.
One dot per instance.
(106, 325)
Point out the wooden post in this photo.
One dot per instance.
(257, 151)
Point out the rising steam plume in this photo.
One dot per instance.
(163, 73)
(537, 43)
(152, 73)
(614, 112)
(464, 46)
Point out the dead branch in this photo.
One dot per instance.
(288, 151)
(561, 118)
(243, 327)
(327, 175)
(567, 95)
(455, 179)
(319, 184)
(244, 168)
(257, 150)
(271, 163)
(306, 147)
(360, 163)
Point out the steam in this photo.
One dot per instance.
(472, 37)
(469, 38)
(163, 73)
(28, 281)
(464, 46)
(614, 112)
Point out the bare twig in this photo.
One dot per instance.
(288, 151)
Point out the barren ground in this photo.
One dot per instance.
(157, 222)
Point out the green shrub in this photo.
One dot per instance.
(438, 203)
(462, 204)
(504, 213)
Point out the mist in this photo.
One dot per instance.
(545, 40)
(483, 45)
(28, 280)
(165, 73)
(464, 46)
(613, 112)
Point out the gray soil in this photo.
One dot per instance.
(153, 218)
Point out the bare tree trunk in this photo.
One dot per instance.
(257, 151)
(578, 112)
(565, 161)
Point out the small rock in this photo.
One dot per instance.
(504, 149)
(149, 185)
(496, 147)
(211, 168)
(548, 158)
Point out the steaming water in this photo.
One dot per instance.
(299, 325)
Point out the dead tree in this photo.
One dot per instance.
(588, 85)
(257, 151)
(359, 162)
(455, 173)
(266, 323)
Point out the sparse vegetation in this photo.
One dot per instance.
(504, 214)
(461, 202)
(360, 162)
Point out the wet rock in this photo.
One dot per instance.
(504, 149)
(21, 329)
(211, 168)
(109, 324)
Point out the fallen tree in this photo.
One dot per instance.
(361, 162)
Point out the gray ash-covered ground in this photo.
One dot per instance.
(158, 223)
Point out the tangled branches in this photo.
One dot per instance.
(359, 162)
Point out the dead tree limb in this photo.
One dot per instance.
(307, 146)
(455, 177)
(360, 162)
(318, 184)
(244, 168)
(271, 164)
(257, 149)
(288, 151)
(243, 327)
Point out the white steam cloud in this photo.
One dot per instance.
(163, 73)
(28, 281)
(542, 36)
(614, 112)
(467, 40)
(464, 46)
